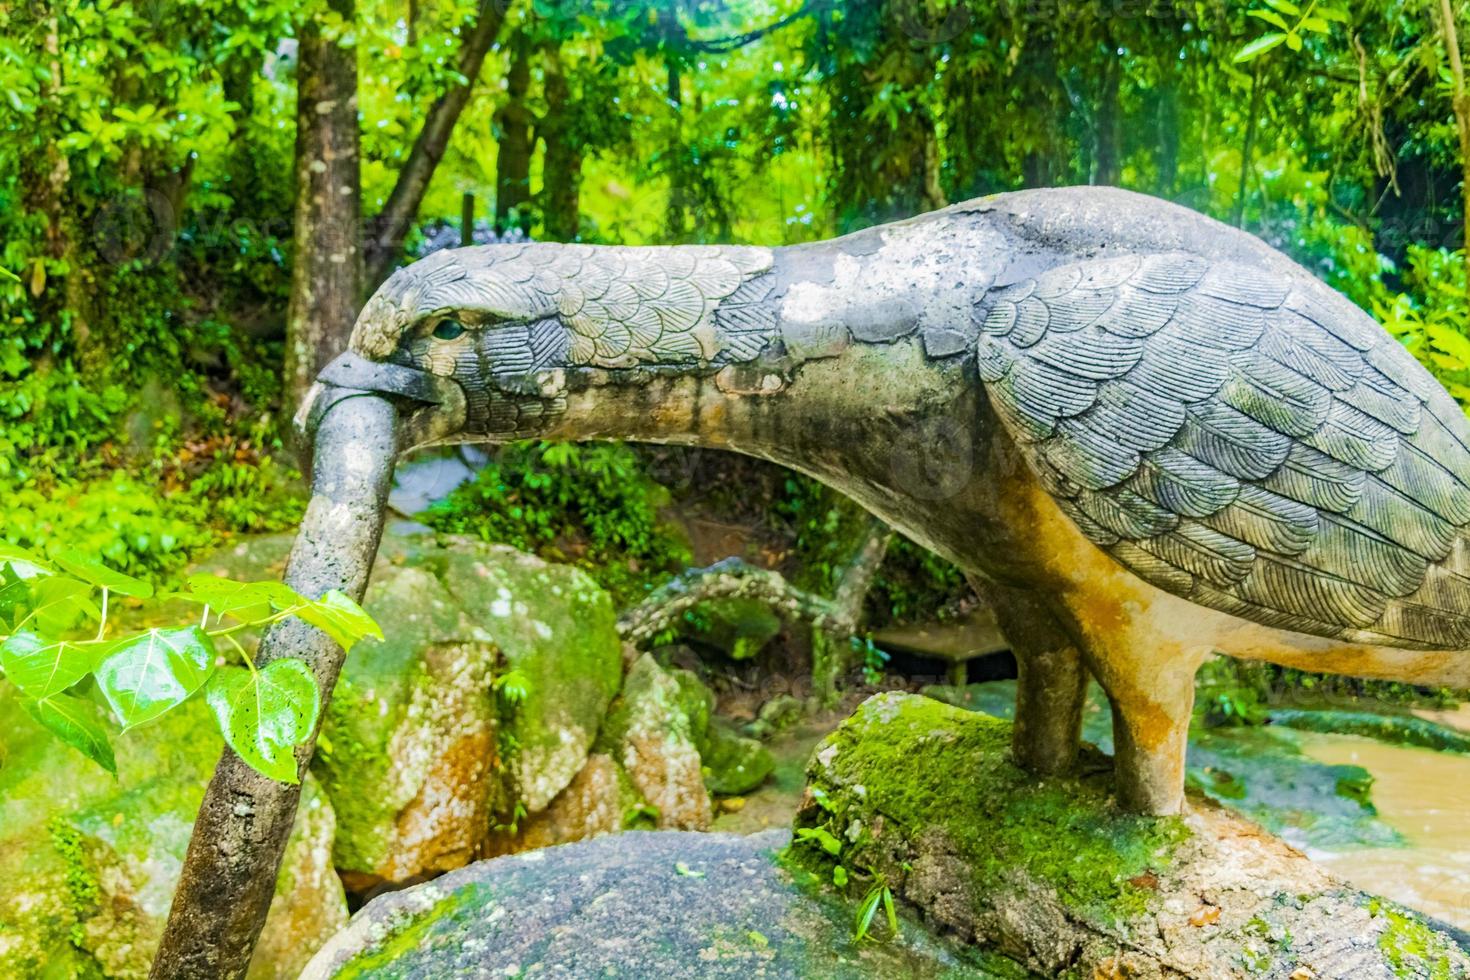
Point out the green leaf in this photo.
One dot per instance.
(57, 602)
(865, 914)
(1332, 13)
(340, 618)
(143, 676)
(1294, 41)
(90, 570)
(1315, 24)
(684, 871)
(822, 838)
(1270, 17)
(1285, 6)
(1259, 47)
(41, 668)
(266, 713)
(1451, 341)
(246, 601)
(28, 563)
(889, 911)
(839, 876)
(15, 597)
(74, 721)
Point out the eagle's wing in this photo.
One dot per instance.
(1251, 441)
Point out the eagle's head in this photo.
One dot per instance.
(488, 336)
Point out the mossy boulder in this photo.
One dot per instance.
(479, 707)
(733, 764)
(922, 797)
(649, 731)
(88, 864)
(662, 904)
(738, 628)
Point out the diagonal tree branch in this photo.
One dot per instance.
(392, 224)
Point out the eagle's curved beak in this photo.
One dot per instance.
(432, 407)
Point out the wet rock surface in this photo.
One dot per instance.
(646, 904)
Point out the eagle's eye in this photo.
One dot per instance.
(448, 329)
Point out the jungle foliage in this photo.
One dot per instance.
(150, 152)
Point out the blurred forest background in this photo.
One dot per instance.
(166, 289)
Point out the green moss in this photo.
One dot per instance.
(82, 885)
(1396, 729)
(930, 766)
(413, 930)
(1413, 949)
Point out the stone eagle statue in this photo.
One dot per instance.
(1143, 435)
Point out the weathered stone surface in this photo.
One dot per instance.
(599, 800)
(421, 755)
(1054, 874)
(88, 865)
(662, 904)
(649, 732)
(733, 764)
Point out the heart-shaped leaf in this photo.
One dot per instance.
(246, 601)
(74, 721)
(265, 714)
(143, 676)
(88, 569)
(340, 618)
(58, 602)
(41, 668)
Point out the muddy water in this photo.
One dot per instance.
(1425, 796)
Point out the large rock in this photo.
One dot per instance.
(88, 865)
(662, 904)
(477, 710)
(652, 731)
(923, 796)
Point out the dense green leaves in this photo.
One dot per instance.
(74, 721)
(264, 714)
(144, 676)
(340, 618)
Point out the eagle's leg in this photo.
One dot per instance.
(1150, 683)
(1052, 682)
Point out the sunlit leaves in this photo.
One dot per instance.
(74, 721)
(265, 714)
(340, 618)
(41, 668)
(94, 572)
(146, 675)
(245, 601)
(58, 603)
(1315, 21)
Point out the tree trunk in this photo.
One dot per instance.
(514, 133)
(234, 855)
(1107, 166)
(561, 178)
(674, 37)
(1248, 151)
(1460, 101)
(326, 272)
(391, 226)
